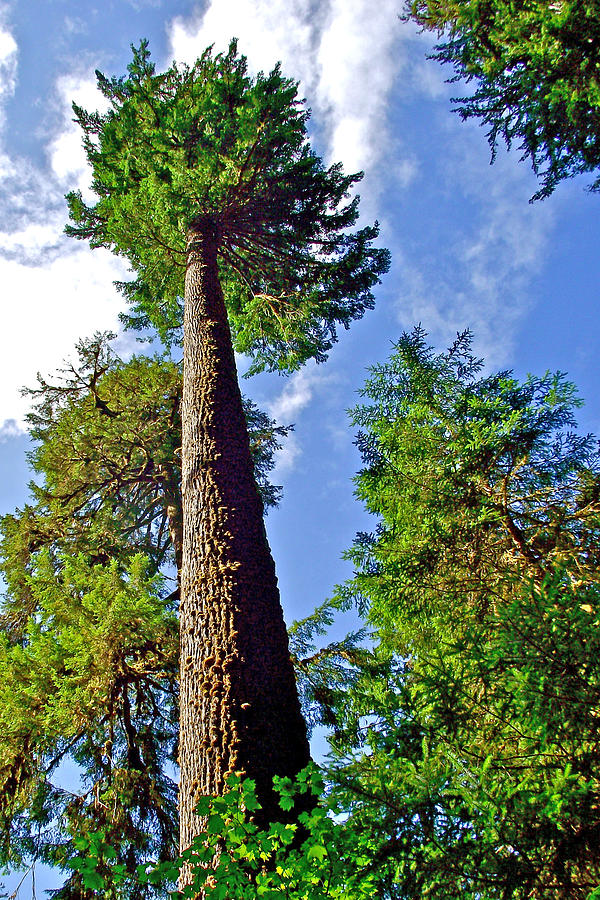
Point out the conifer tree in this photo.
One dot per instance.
(88, 628)
(207, 185)
(481, 583)
(88, 720)
(106, 456)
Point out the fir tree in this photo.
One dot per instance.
(474, 768)
(206, 184)
(534, 65)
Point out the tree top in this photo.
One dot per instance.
(209, 145)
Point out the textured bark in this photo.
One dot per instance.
(173, 507)
(239, 703)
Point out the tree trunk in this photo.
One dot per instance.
(239, 703)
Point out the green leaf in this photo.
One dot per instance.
(316, 851)
(93, 881)
(215, 825)
(203, 805)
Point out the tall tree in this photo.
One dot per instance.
(206, 183)
(481, 582)
(535, 69)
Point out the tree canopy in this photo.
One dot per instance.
(464, 740)
(534, 66)
(210, 141)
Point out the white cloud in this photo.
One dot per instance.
(298, 392)
(480, 275)
(344, 55)
(429, 79)
(359, 57)
(45, 310)
(405, 169)
(8, 64)
(75, 25)
(139, 5)
(32, 239)
(286, 458)
(8, 47)
(53, 291)
(10, 429)
(65, 149)
(268, 31)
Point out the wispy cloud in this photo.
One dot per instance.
(480, 272)
(288, 405)
(53, 290)
(140, 5)
(75, 25)
(65, 149)
(297, 394)
(10, 429)
(8, 62)
(345, 57)
(358, 57)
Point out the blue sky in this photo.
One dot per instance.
(468, 249)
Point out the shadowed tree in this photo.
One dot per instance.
(88, 628)
(207, 185)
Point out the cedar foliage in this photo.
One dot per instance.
(474, 769)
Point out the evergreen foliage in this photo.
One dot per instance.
(535, 69)
(475, 770)
(92, 679)
(107, 439)
(326, 673)
(465, 745)
(210, 143)
(207, 185)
